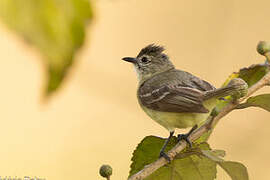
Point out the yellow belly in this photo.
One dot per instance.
(171, 120)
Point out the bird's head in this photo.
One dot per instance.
(150, 61)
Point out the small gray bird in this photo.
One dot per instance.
(174, 98)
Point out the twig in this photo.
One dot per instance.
(149, 169)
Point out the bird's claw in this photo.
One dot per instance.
(163, 154)
(185, 137)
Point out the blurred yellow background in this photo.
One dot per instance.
(95, 119)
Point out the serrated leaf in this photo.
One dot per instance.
(262, 101)
(253, 73)
(187, 165)
(55, 27)
(148, 151)
(191, 167)
(235, 170)
(250, 75)
(198, 163)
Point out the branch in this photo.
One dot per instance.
(149, 169)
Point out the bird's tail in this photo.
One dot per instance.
(236, 87)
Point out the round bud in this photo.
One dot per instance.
(263, 47)
(242, 87)
(105, 171)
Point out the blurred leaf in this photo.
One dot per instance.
(262, 101)
(55, 27)
(235, 170)
(198, 163)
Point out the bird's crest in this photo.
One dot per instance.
(151, 49)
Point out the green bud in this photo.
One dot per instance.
(105, 171)
(263, 48)
(242, 87)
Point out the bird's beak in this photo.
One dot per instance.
(130, 59)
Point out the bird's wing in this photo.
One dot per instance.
(174, 95)
(188, 80)
(173, 99)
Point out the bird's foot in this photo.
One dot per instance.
(185, 137)
(163, 154)
(162, 151)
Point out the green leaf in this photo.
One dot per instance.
(219, 153)
(55, 27)
(198, 163)
(192, 167)
(204, 137)
(187, 165)
(211, 155)
(235, 170)
(251, 75)
(148, 151)
(262, 101)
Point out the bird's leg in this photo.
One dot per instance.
(186, 136)
(162, 151)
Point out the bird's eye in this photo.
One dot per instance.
(163, 56)
(145, 59)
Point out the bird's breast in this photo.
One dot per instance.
(173, 120)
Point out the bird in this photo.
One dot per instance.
(174, 98)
